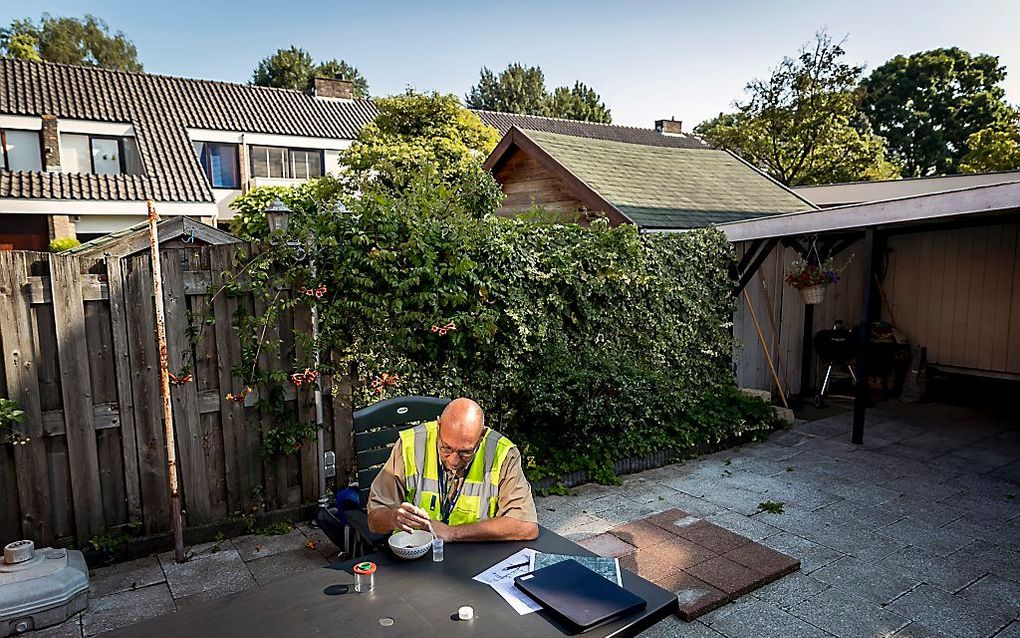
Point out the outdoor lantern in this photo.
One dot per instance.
(278, 216)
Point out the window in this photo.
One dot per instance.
(22, 150)
(292, 163)
(220, 163)
(81, 153)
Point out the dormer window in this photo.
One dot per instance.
(22, 150)
(99, 155)
(219, 161)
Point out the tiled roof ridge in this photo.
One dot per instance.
(567, 119)
(528, 131)
(163, 76)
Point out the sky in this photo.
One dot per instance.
(648, 60)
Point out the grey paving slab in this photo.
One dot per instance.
(286, 563)
(842, 614)
(995, 592)
(869, 580)
(991, 558)
(919, 534)
(761, 619)
(673, 627)
(1010, 631)
(790, 590)
(717, 615)
(812, 555)
(220, 571)
(917, 630)
(71, 628)
(750, 526)
(257, 546)
(954, 615)
(133, 574)
(948, 573)
(860, 516)
(321, 543)
(107, 613)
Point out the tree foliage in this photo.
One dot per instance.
(521, 89)
(928, 104)
(803, 124)
(83, 41)
(416, 132)
(993, 149)
(293, 68)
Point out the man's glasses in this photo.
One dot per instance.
(446, 450)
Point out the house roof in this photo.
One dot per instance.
(657, 187)
(134, 239)
(841, 194)
(503, 122)
(161, 109)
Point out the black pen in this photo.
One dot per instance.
(506, 569)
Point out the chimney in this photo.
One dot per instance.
(333, 89)
(669, 127)
(50, 144)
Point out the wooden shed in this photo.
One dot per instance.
(174, 232)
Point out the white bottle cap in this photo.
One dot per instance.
(466, 613)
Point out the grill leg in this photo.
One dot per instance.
(825, 383)
(852, 374)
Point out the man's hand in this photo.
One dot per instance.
(442, 530)
(410, 518)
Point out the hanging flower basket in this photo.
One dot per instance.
(813, 294)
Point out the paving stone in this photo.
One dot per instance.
(641, 534)
(673, 627)
(679, 553)
(1010, 631)
(790, 590)
(764, 560)
(70, 628)
(991, 558)
(583, 526)
(694, 596)
(647, 565)
(713, 617)
(222, 572)
(951, 614)
(869, 580)
(760, 619)
(917, 630)
(847, 616)
(812, 555)
(607, 545)
(107, 613)
(321, 543)
(937, 540)
(994, 592)
(748, 527)
(256, 546)
(732, 578)
(948, 573)
(133, 574)
(284, 564)
(709, 535)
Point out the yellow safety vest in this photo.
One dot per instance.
(420, 446)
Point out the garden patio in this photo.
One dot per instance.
(915, 533)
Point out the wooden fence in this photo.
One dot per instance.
(80, 357)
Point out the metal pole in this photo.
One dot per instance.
(864, 337)
(164, 386)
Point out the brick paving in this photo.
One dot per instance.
(914, 534)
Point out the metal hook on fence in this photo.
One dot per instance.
(190, 239)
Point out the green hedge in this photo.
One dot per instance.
(584, 345)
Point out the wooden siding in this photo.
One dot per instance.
(525, 182)
(957, 292)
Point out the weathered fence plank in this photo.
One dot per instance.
(144, 365)
(23, 387)
(122, 361)
(184, 394)
(76, 391)
(306, 407)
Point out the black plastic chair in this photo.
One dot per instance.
(376, 429)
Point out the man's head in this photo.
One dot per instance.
(460, 430)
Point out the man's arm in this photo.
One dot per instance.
(387, 494)
(501, 528)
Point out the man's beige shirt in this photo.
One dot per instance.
(514, 499)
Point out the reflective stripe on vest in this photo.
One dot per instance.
(481, 484)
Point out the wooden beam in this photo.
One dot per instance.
(752, 267)
(864, 336)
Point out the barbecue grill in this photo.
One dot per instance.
(835, 349)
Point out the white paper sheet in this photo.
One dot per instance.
(501, 578)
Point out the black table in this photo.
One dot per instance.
(421, 596)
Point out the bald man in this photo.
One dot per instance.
(458, 475)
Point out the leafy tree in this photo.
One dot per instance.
(521, 89)
(927, 105)
(993, 149)
(420, 131)
(579, 103)
(518, 89)
(803, 124)
(86, 41)
(293, 68)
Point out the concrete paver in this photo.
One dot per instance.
(107, 613)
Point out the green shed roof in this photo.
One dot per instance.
(659, 187)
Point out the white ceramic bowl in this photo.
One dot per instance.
(411, 546)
